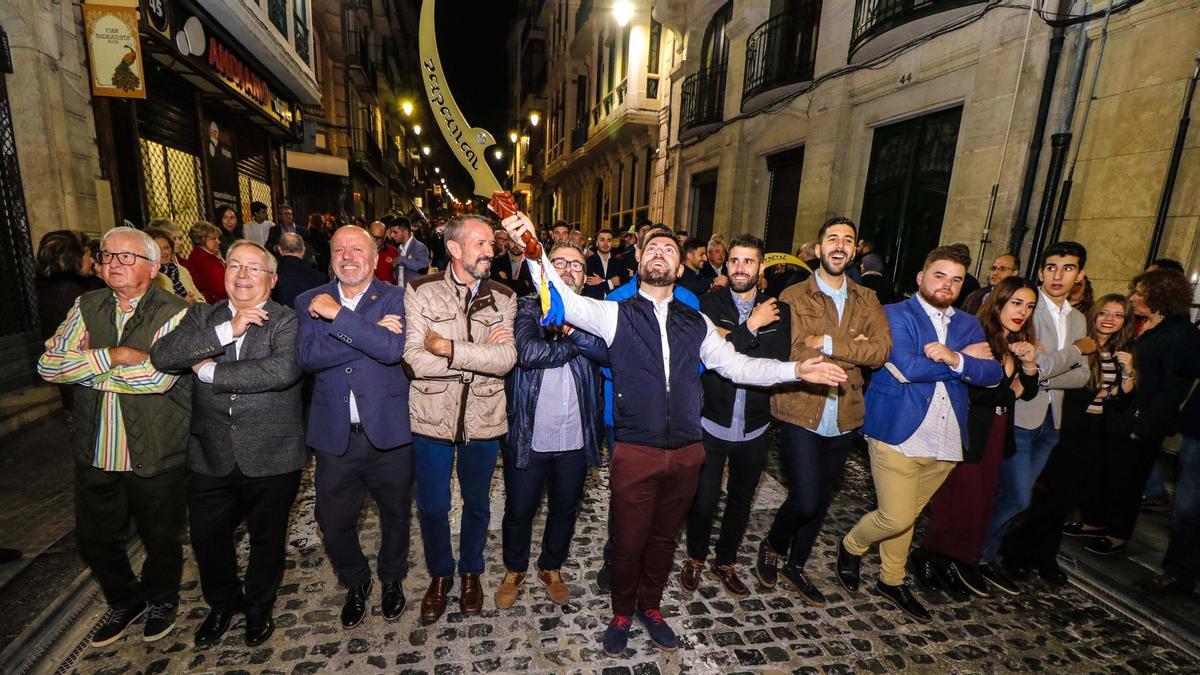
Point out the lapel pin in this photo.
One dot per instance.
(373, 296)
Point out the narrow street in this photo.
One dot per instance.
(1065, 631)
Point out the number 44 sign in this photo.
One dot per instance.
(114, 51)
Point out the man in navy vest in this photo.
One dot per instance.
(656, 346)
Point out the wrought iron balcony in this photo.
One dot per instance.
(781, 52)
(702, 102)
(881, 25)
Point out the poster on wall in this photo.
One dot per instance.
(222, 166)
(114, 51)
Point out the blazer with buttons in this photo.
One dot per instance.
(900, 393)
(250, 415)
(354, 353)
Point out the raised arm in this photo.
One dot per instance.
(276, 372)
(720, 355)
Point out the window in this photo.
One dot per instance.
(624, 52)
(704, 204)
(655, 40)
(174, 185)
(277, 13)
(714, 51)
(300, 32)
(783, 198)
(649, 175)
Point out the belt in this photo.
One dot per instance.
(357, 428)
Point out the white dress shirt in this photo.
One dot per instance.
(938, 436)
(1059, 315)
(351, 304)
(225, 337)
(599, 317)
(257, 232)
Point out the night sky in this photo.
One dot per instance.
(471, 40)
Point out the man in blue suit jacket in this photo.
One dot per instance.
(916, 419)
(351, 337)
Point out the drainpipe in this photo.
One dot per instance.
(1037, 139)
(1164, 200)
(1061, 213)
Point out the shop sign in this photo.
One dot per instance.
(114, 51)
(222, 166)
(156, 16)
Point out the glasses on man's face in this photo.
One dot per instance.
(126, 258)
(1001, 268)
(563, 263)
(252, 270)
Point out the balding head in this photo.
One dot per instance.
(291, 244)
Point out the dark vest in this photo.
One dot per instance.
(646, 410)
(156, 425)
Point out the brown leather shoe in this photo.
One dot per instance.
(556, 588)
(728, 576)
(509, 589)
(471, 599)
(689, 576)
(433, 605)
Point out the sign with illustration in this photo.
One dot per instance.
(114, 51)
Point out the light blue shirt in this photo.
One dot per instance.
(557, 425)
(828, 425)
(736, 431)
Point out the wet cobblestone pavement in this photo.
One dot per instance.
(1041, 630)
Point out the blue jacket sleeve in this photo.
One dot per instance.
(368, 337)
(534, 349)
(979, 372)
(590, 346)
(908, 356)
(316, 350)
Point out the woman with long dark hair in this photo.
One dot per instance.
(959, 511)
(231, 229)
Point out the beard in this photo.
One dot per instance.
(934, 301)
(828, 265)
(742, 288)
(480, 271)
(655, 277)
(575, 285)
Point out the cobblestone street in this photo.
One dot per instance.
(1066, 631)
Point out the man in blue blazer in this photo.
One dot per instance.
(916, 419)
(351, 337)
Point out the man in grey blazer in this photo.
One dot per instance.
(1062, 364)
(247, 444)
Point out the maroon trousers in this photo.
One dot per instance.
(652, 490)
(960, 509)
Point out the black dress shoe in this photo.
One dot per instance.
(901, 596)
(952, 583)
(1053, 575)
(995, 575)
(258, 630)
(1104, 546)
(923, 566)
(355, 607)
(969, 577)
(848, 567)
(214, 626)
(1079, 529)
(393, 600)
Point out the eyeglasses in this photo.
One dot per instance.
(252, 270)
(563, 263)
(126, 258)
(1001, 268)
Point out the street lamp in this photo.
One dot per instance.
(512, 136)
(623, 12)
(498, 153)
(407, 106)
(437, 169)
(425, 150)
(534, 118)
(417, 129)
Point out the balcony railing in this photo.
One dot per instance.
(873, 18)
(782, 51)
(358, 55)
(702, 99)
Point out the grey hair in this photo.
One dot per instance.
(568, 244)
(291, 243)
(272, 263)
(454, 228)
(148, 242)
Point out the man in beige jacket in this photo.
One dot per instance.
(460, 346)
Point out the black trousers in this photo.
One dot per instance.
(814, 466)
(563, 474)
(1072, 470)
(746, 462)
(1129, 464)
(105, 501)
(216, 506)
(343, 483)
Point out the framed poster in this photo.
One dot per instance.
(114, 51)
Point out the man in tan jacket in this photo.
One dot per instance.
(459, 344)
(835, 317)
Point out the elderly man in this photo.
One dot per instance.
(131, 434)
(385, 265)
(558, 427)
(412, 256)
(459, 345)
(293, 276)
(656, 347)
(351, 337)
(713, 268)
(247, 445)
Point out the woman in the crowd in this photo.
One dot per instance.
(959, 511)
(318, 240)
(205, 263)
(1166, 361)
(1075, 474)
(172, 276)
(231, 229)
(63, 271)
(1081, 296)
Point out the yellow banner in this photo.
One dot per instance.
(772, 259)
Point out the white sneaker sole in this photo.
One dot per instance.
(159, 636)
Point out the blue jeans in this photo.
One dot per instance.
(1017, 476)
(1183, 552)
(434, 460)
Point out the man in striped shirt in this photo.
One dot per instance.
(130, 434)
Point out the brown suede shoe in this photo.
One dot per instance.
(433, 605)
(471, 599)
(556, 588)
(727, 574)
(689, 576)
(509, 589)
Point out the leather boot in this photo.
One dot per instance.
(433, 605)
(470, 601)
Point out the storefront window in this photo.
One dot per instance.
(254, 190)
(174, 186)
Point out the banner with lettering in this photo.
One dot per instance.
(114, 51)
